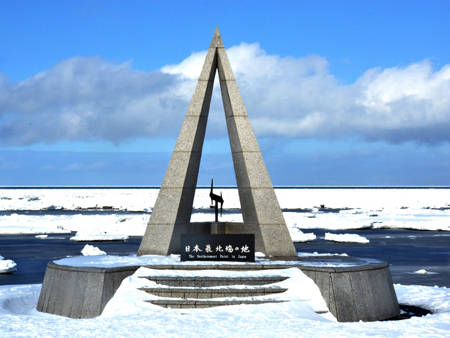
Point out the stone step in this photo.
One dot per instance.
(204, 293)
(191, 304)
(198, 281)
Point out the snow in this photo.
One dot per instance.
(90, 250)
(298, 236)
(345, 238)
(116, 224)
(205, 217)
(7, 265)
(88, 237)
(78, 199)
(303, 296)
(425, 272)
(111, 261)
(356, 201)
(129, 316)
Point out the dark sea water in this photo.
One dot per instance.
(405, 251)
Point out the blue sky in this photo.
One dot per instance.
(338, 92)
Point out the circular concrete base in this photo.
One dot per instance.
(354, 289)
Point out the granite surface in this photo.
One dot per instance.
(173, 208)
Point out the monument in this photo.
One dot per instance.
(354, 289)
(215, 200)
(261, 212)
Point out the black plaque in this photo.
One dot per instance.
(225, 248)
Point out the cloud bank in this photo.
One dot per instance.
(88, 99)
(95, 99)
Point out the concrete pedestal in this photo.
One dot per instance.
(354, 289)
(79, 292)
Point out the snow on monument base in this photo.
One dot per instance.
(354, 289)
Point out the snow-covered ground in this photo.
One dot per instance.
(415, 209)
(302, 296)
(131, 317)
(127, 314)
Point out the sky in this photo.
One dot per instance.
(340, 93)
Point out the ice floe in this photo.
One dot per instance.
(7, 265)
(331, 209)
(424, 272)
(95, 237)
(298, 236)
(345, 238)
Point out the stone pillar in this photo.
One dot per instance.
(171, 214)
(259, 204)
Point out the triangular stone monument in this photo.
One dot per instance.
(261, 212)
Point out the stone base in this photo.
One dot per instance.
(352, 293)
(79, 292)
(354, 289)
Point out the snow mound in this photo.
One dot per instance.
(24, 304)
(302, 297)
(346, 238)
(90, 250)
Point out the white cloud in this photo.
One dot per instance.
(88, 98)
(91, 98)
